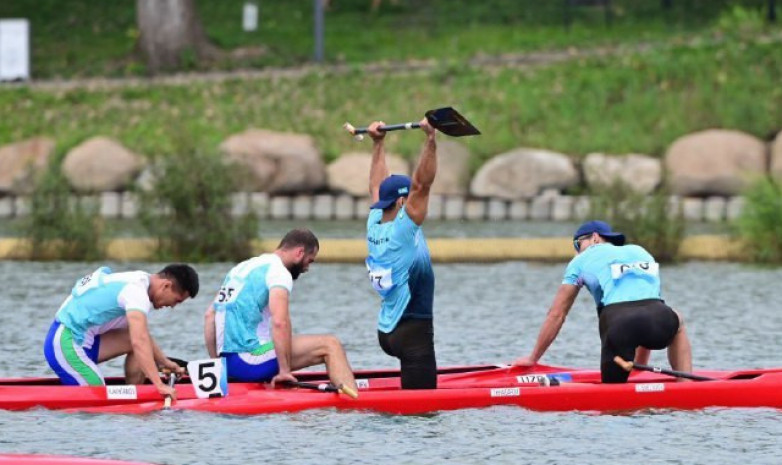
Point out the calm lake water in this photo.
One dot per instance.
(484, 314)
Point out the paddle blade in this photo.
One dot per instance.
(450, 122)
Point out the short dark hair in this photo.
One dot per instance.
(300, 238)
(184, 276)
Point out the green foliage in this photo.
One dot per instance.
(760, 223)
(741, 21)
(60, 226)
(189, 208)
(650, 221)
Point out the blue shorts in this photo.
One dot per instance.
(73, 364)
(248, 367)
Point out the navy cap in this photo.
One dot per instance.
(602, 228)
(392, 187)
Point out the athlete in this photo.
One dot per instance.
(625, 283)
(249, 323)
(106, 316)
(399, 265)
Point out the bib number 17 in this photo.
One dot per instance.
(209, 377)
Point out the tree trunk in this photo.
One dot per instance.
(169, 30)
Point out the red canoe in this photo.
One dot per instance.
(461, 387)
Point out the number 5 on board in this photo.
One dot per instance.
(209, 377)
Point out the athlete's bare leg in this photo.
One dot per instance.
(313, 349)
(115, 343)
(680, 351)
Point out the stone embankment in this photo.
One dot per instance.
(286, 177)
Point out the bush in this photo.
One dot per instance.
(59, 225)
(189, 208)
(760, 222)
(647, 220)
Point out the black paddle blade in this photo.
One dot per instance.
(450, 122)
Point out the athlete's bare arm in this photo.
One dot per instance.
(378, 171)
(418, 202)
(282, 333)
(210, 339)
(141, 343)
(555, 318)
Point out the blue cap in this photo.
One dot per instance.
(392, 187)
(602, 228)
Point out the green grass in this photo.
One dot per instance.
(631, 103)
(72, 38)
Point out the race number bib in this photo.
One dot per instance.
(620, 269)
(209, 377)
(88, 282)
(381, 279)
(228, 292)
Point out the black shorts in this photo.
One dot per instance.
(412, 342)
(625, 326)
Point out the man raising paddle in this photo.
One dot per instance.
(625, 283)
(249, 322)
(399, 265)
(106, 316)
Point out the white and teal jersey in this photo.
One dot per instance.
(242, 316)
(99, 302)
(399, 269)
(615, 274)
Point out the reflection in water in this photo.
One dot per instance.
(484, 314)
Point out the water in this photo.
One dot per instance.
(484, 314)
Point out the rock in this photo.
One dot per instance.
(522, 174)
(20, 162)
(639, 172)
(101, 164)
(453, 169)
(350, 172)
(714, 162)
(278, 163)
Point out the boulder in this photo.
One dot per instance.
(20, 162)
(523, 173)
(277, 162)
(639, 172)
(453, 169)
(776, 157)
(101, 164)
(714, 162)
(350, 172)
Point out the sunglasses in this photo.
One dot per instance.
(577, 241)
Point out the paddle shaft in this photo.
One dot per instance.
(167, 400)
(324, 387)
(390, 127)
(639, 366)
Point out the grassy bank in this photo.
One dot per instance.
(637, 102)
(72, 38)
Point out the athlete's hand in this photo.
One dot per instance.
(374, 133)
(169, 366)
(426, 127)
(283, 378)
(524, 362)
(166, 391)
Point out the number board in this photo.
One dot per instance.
(209, 377)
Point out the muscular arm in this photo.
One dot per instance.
(378, 171)
(418, 202)
(210, 338)
(281, 327)
(563, 301)
(143, 347)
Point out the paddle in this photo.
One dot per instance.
(630, 366)
(446, 120)
(171, 382)
(324, 387)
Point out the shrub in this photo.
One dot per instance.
(189, 208)
(650, 221)
(760, 222)
(59, 225)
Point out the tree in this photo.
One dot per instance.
(170, 31)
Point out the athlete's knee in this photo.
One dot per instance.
(332, 344)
